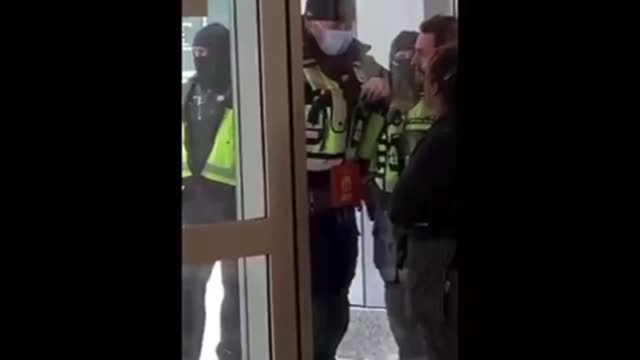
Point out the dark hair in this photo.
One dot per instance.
(443, 27)
(443, 72)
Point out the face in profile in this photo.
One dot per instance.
(424, 48)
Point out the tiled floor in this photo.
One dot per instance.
(368, 337)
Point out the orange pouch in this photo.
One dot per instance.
(346, 185)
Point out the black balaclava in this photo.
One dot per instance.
(404, 85)
(214, 70)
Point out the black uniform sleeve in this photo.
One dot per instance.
(425, 190)
(308, 93)
(372, 68)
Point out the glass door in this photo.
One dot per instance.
(241, 293)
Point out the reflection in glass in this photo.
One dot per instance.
(208, 189)
(217, 72)
(208, 130)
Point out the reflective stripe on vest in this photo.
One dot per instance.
(185, 166)
(221, 163)
(416, 122)
(326, 117)
(419, 121)
(388, 159)
(419, 118)
(367, 124)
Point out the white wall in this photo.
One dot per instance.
(219, 11)
(379, 21)
(435, 7)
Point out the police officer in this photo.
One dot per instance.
(338, 73)
(208, 182)
(407, 121)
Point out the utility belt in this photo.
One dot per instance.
(196, 181)
(424, 231)
(198, 186)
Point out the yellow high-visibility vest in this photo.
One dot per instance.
(221, 163)
(326, 117)
(416, 122)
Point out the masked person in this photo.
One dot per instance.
(407, 121)
(338, 73)
(208, 182)
(424, 205)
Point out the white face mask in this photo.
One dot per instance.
(336, 42)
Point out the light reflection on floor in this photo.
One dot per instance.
(214, 295)
(213, 300)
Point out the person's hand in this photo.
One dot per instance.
(375, 89)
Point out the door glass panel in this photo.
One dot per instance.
(225, 310)
(222, 143)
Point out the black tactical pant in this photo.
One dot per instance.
(334, 251)
(198, 208)
(428, 261)
(387, 250)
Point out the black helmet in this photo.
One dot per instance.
(337, 10)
